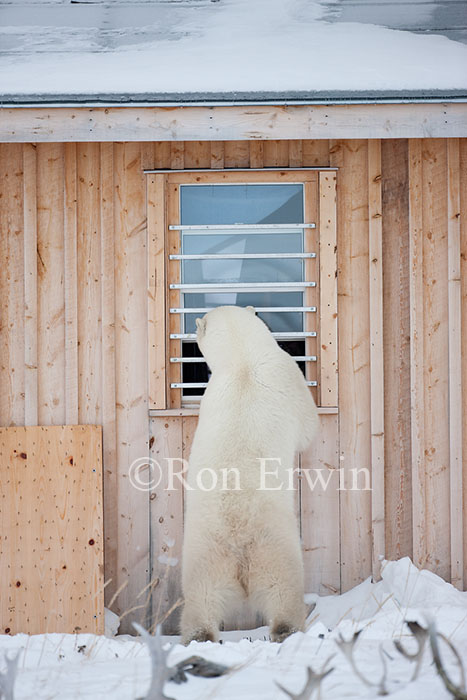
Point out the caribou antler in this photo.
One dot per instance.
(160, 672)
(347, 648)
(458, 692)
(421, 635)
(313, 682)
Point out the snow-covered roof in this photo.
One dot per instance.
(185, 51)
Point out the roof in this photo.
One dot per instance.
(231, 51)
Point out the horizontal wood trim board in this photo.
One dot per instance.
(235, 170)
(155, 413)
(21, 125)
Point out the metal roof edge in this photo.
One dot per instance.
(198, 99)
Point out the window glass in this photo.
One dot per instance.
(241, 204)
(243, 270)
(277, 322)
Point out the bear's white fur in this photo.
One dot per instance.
(245, 542)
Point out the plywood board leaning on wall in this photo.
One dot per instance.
(51, 524)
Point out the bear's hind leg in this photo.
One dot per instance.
(209, 590)
(276, 586)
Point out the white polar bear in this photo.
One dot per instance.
(240, 539)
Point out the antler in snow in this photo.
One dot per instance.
(458, 692)
(421, 635)
(347, 648)
(313, 682)
(160, 672)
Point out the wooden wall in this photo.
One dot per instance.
(73, 334)
(51, 544)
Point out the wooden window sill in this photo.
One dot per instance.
(194, 411)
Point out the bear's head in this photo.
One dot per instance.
(231, 335)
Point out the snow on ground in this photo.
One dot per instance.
(87, 666)
(232, 45)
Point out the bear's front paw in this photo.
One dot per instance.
(281, 631)
(201, 635)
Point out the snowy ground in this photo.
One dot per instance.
(86, 666)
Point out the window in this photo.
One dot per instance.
(243, 238)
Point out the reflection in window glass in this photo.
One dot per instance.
(240, 270)
(241, 204)
(268, 242)
(212, 271)
(277, 322)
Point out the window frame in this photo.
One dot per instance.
(163, 209)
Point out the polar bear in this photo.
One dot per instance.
(241, 533)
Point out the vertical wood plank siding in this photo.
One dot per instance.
(375, 251)
(74, 343)
(463, 271)
(354, 358)
(396, 332)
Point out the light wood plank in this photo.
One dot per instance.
(166, 522)
(232, 123)
(109, 417)
(217, 154)
(162, 154)
(328, 288)
(455, 364)
(189, 425)
(276, 154)
(11, 286)
(30, 284)
(236, 154)
(295, 154)
(354, 358)
(375, 250)
(320, 510)
(148, 158)
(396, 332)
(463, 246)
(156, 205)
(197, 154)
(131, 367)
(71, 285)
(52, 554)
(279, 176)
(51, 285)
(436, 354)
(177, 155)
(194, 411)
(417, 334)
(315, 153)
(89, 284)
(256, 154)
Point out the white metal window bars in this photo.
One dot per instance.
(240, 287)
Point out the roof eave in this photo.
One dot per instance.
(215, 99)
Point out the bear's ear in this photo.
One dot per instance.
(251, 309)
(201, 324)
